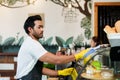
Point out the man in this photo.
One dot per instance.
(32, 54)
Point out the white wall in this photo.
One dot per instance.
(12, 20)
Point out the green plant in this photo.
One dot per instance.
(11, 44)
(10, 3)
(20, 41)
(46, 42)
(79, 40)
(0, 39)
(86, 24)
(62, 43)
(8, 41)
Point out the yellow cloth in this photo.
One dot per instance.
(68, 71)
(74, 74)
(81, 54)
(65, 72)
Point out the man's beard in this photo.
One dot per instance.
(38, 36)
(41, 36)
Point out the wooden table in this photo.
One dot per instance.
(53, 79)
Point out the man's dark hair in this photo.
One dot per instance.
(30, 22)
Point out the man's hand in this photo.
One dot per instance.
(68, 71)
(65, 72)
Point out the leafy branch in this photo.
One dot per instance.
(76, 5)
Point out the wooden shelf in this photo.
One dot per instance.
(8, 54)
(8, 58)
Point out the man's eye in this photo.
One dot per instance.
(41, 26)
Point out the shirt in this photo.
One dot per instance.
(28, 55)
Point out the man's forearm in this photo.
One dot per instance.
(49, 72)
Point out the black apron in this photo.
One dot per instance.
(35, 73)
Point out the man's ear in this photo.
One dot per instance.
(29, 29)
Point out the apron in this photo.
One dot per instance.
(35, 73)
